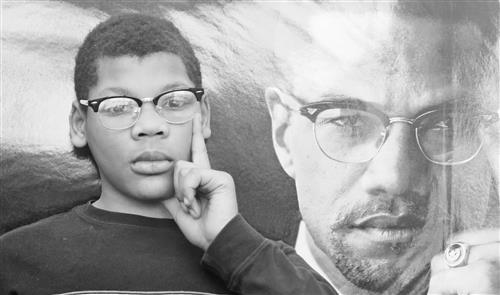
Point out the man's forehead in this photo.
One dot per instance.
(402, 63)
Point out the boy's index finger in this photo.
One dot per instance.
(199, 154)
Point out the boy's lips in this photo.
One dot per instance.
(151, 163)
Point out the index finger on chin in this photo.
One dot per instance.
(199, 154)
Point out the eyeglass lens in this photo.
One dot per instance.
(123, 112)
(349, 135)
(355, 136)
(449, 137)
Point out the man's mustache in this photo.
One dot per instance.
(410, 208)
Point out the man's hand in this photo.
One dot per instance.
(205, 199)
(481, 273)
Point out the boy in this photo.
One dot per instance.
(140, 116)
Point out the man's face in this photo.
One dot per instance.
(381, 221)
(136, 163)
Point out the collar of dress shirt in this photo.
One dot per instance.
(304, 250)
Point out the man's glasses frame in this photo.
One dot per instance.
(312, 110)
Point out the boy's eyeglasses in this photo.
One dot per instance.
(354, 132)
(122, 112)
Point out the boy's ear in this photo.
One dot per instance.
(278, 105)
(205, 116)
(77, 120)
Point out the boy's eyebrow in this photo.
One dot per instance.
(126, 92)
(115, 90)
(173, 86)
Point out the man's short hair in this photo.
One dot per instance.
(129, 35)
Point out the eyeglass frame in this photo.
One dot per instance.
(312, 110)
(94, 103)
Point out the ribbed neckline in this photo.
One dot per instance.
(104, 216)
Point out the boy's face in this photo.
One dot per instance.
(136, 164)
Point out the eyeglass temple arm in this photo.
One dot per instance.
(310, 113)
(92, 104)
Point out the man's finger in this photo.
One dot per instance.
(476, 237)
(199, 152)
(481, 277)
(490, 252)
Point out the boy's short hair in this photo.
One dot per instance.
(129, 35)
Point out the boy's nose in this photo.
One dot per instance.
(149, 123)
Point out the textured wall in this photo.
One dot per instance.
(39, 175)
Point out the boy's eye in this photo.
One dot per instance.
(176, 100)
(173, 103)
(117, 106)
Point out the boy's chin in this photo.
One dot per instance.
(154, 192)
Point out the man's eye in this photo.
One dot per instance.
(442, 125)
(343, 121)
(345, 127)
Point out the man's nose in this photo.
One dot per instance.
(149, 123)
(399, 167)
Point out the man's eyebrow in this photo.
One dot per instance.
(463, 103)
(351, 102)
(330, 98)
(338, 97)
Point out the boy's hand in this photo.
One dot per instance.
(205, 199)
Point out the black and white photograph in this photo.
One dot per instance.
(343, 147)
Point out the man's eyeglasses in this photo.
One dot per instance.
(353, 132)
(121, 111)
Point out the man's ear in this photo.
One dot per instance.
(279, 109)
(205, 116)
(77, 119)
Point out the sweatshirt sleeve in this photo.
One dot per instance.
(251, 264)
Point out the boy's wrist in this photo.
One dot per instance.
(211, 238)
(235, 243)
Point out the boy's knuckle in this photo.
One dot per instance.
(227, 178)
